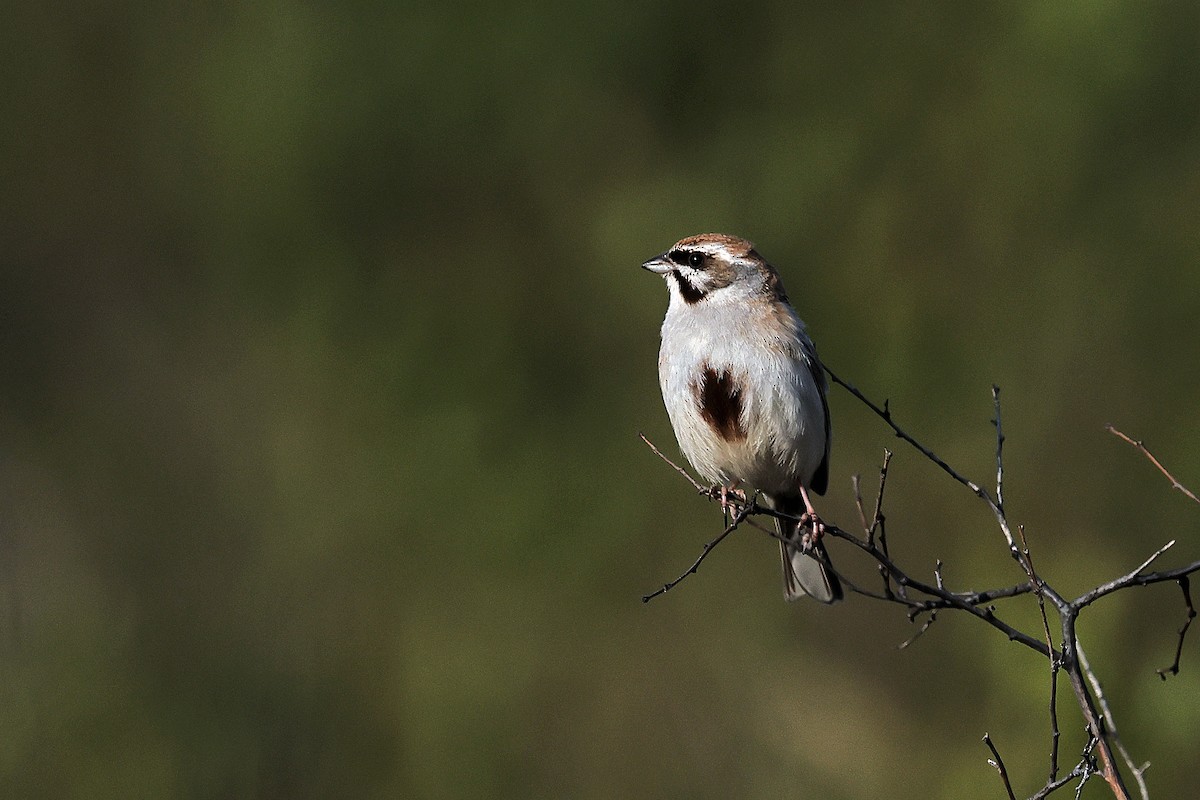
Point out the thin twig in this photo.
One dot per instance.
(1035, 581)
(1084, 770)
(1137, 443)
(885, 414)
(1110, 724)
(742, 513)
(877, 529)
(1185, 586)
(948, 599)
(1087, 765)
(699, 488)
(869, 530)
(1127, 579)
(920, 597)
(999, 448)
(856, 484)
(998, 762)
(1068, 612)
(877, 515)
(939, 596)
(924, 627)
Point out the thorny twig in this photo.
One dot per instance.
(920, 597)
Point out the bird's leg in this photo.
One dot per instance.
(725, 493)
(814, 521)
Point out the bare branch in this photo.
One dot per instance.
(924, 627)
(699, 488)
(877, 515)
(1175, 484)
(1110, 724)
(941, 597)
(877, 528)
(886, 415)
(1084, 770)
(1185, 586)
(742, 513)
(1129, 579)
(998, 762)
(1055, 664)
(856, 484)
(920, 597)
(999, 449)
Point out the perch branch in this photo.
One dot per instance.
(919, 597)
(743, 512)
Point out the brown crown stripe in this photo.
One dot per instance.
(734, 244)
(719, 396)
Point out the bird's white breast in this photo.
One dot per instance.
(759, 346)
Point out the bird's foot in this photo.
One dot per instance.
(816, 527)
(730, 497)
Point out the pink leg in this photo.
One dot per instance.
(726, 493)
(810, 515)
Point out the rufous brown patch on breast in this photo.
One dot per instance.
(719, 397)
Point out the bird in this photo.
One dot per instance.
(746, 393)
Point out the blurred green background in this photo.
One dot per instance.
(325, 350)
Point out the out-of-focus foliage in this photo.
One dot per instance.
(323, 352)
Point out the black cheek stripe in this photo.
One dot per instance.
(691, 295)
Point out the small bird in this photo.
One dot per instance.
(745, 391)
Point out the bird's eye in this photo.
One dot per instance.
(687, 258)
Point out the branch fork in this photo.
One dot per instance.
(918, 597)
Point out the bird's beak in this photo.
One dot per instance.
(660, 265)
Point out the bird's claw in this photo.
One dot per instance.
(816, 529)
(729, 497)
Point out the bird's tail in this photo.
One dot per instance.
(803, 573)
